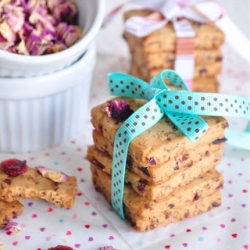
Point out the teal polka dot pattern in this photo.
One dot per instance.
(182, 108)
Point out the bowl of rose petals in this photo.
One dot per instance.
(41, 37)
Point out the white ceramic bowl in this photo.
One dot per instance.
(39, 112)
(91, 13)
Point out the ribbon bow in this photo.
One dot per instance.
(201, 11)
(182, 108)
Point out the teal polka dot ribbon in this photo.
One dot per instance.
(181, 107)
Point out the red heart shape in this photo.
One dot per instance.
(87, 226)
(79, 169)
(86, 203)
(167, 247)
(234, 235)
(188, 230)
(79, 193)
(8, 232)
(50, 209)
(68, 233)
(246, 246)
(15, 243)
(244, 190)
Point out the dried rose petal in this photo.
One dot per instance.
(68, 33)
(12, 225)
(66, 11)
(53, 175)
(14, 167)
(42, 18)
(119, 110)
(59, 46)
(31, 27)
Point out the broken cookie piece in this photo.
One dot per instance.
(31, 184)
(8, 210)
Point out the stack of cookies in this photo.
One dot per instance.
(168, 178)
(157, 51)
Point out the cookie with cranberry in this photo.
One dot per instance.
(160, 142)
(143, 214)
(18, 182)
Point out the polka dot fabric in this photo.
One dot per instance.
(92, 223)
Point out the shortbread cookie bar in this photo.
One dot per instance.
(192, 209)
(201, 187)
(162, 172)
(206, 84)
(33, 185)
(160, 142)
(206, 70)
(183, 203)
(200, 84)
(208, 36)
(157, 191)
(8, 210)
(167, 59)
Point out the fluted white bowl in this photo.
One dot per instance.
(39, 112)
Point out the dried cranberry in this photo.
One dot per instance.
(215, 204)
(220, 140)
(196, 197)
(176, 167)
(225, 125)
(218, 58)
(14, 167)
(185, 157)
(151, 161)
(60, 247)
(141, 185)
(202, 71)
(8, 181)
(188, 165)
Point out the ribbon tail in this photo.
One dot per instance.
(238, 139)
(234, 37)
(130, 129)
